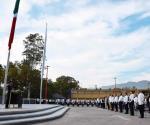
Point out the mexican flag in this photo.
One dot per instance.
(11, 37)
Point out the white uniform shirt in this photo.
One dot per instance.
(62, 100)
(73, 101)
(116, 99)
(136, 99)
(131, 97)
(98, 101)
(110, 99)
(68, 100)
(125, 99)
(140, 98)
(121, 98)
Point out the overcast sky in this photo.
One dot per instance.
(90, 40)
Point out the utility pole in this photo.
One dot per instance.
(46, 85)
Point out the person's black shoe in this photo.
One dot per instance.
(141, 117)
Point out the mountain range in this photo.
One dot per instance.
(144, 84)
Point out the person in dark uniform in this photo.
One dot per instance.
(141, 104)
(19, 99)
(8, 96)
(131, 103)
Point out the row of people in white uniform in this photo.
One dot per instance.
(76, 102)
(127, 102)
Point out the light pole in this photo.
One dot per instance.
(46, 85)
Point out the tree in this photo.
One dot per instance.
(1, 73)
(35, 83)
(64, 85)
(1, 77)
(34, 44)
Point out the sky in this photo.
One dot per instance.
(90, 40)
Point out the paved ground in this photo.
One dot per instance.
(97, 116)
(24, 107)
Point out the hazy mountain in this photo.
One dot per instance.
(140, 85)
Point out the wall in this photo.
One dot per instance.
(94, 94)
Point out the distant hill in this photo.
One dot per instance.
(139, 85)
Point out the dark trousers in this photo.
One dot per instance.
(126, 108)
(141, 109)
(8, 99)
(131, 106)
(108, 106)
(116, 106)
(121, 106)
(149, 107)
(98, 104)
(103, 105)
(112, 106)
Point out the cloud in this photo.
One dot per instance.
(82, 40)
(142, 76)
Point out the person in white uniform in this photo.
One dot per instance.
(112, 102)
(107, 102)
(116, 103)
(136, 102)
(126, 101)
(141, 104)
(120, 102)
(131, 103)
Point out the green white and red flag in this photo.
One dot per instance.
(11, 37)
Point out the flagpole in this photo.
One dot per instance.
(11, 37)
(46, 85)
(43, 65)
(5, 79)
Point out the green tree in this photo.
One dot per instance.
(1, 77)
(13, 72)
(33, 44)
(64, 85)
(22, 77)
(33, 49)
(15, 75)
(34, 79)
(1, 73)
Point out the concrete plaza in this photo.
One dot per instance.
(97, 116)
(30, 113)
